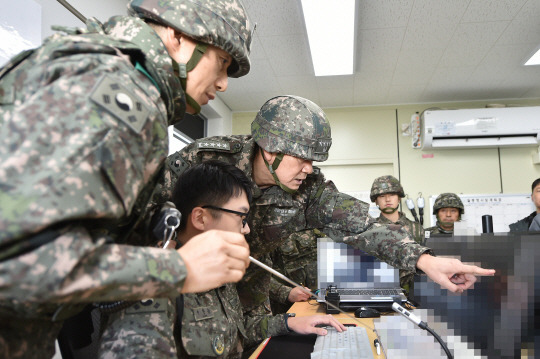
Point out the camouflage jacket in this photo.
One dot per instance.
(275, 214)
(296, 258)
(416, 231)
(523, 224)
(76, 170)
(212, 326)
(437, 229)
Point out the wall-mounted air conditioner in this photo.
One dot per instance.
(481, 127)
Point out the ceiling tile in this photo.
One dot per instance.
(381, 14)
(377, 48)
(288, 55)
(525, 27)
(492, 10)
(336, 82)
(471, 43)
(398, 94)
(277, 17)
(407, 51)
(335, 97)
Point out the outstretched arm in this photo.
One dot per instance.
(451, 273)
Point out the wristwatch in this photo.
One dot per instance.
(286, 317)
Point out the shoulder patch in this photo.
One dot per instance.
(177, 164)
(214, 145)
(121, 103)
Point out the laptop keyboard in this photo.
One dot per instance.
(353, 343)
(383, 292)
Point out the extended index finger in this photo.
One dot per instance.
(470, 269)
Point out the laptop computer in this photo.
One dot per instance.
(359, 278)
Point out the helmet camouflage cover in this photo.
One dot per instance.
(386, 184)
(448, 200)
(220, 23)
(293, 126)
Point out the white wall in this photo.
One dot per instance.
(219, 118)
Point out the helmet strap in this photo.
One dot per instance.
(445, 224)
(389, 210)
(181, 71)
(273, 167)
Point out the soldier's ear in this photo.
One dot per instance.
(170, 38)
(198, 218)
(269, 156)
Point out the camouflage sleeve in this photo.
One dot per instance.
(74, 162)
(261, 325)
(74, 268)
(144, 330)
(344, 218)
(279, 291)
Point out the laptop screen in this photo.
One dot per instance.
(348, 268)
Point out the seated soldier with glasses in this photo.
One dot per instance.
(210, 196)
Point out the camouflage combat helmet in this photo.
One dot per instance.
(293, 126)
(386, 184)
(220, 23)
(448, 200)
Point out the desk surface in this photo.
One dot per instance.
(304, 309)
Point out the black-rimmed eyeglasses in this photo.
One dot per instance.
(241, 214)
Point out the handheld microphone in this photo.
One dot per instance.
(410, 206)
(421, 205)
(413, 318)
(416, 320)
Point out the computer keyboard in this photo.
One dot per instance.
(383, 292)
(353, 343)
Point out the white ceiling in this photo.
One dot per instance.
(407, 51)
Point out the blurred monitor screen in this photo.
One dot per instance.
(500, 316)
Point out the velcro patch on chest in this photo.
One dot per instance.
(202, 313)
(214, 145)
(286, 212)
(121, 103)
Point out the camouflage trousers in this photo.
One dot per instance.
(27, 330)
(27, 337)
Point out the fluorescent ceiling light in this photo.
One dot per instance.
(330, 29)
(534, 60)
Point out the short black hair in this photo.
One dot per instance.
(534, 184)
(210, 183)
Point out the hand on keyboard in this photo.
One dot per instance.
(308, 325)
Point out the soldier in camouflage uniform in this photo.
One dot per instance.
(83, 137)
(296, 258)
(386, 193)
(212, 195)
(290, 195)
(448, 209)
